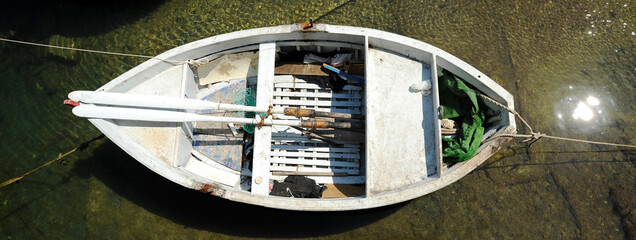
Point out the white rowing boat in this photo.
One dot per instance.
(370, 142)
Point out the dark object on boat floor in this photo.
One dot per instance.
(298, 187)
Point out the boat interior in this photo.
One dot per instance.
(399, 145)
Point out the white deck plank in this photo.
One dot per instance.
(263, 136)
(316, 149)
(328, 163)
(295, 140)
(351, 171)
(327, 103)
(314, 155)
(316, 94)
(312, 86)
(397, 118)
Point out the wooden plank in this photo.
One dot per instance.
(280, 93)
(315, 155)
(292, 141)
(348, 110)
(300, 69)
(317, 103)
(312, 86)
(315, 149)
(280, 138)
(350, 171)
(298, 85)
(291, 173)
(328, 163)
(292, 79)
(342, 190)
(263, 136)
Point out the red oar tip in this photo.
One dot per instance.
(71, 102)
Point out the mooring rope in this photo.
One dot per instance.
(535, 136)
(90, 51)
(58, 159)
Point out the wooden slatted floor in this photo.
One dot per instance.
(294, 153)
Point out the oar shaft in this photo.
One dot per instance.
(150, 101)
(136, 114)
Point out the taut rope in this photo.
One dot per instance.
(535, 136)
(58, 159)
(90, 51)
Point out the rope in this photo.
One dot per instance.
(535, 136)
(90, 51)
(58, 159)
(509, 110)
(269, 112)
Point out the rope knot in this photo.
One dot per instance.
(198, 62)
(535, 136)
(269, 113)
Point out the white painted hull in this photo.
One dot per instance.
(166, 149)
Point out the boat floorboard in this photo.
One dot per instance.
(400, 123)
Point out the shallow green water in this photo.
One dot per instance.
(552, 56)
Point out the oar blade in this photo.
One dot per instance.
(134, 114)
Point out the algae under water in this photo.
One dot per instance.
(571, 66)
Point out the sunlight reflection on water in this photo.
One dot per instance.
(601, 19)
(583, 109)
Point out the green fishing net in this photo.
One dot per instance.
(247, 98)
(460, 103)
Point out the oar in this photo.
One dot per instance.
(153, 115)
(150, 101)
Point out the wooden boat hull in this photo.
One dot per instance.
(165, 148)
